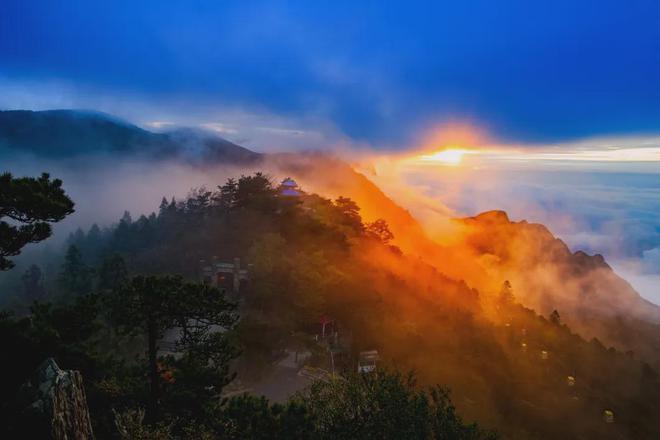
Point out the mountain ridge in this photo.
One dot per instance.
(60, 134)
(493, 248)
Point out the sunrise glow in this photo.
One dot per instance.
(450, 156)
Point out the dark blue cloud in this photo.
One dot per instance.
(380, 71)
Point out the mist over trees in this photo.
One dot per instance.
(103, 312)
(154, 362)
(33, 284)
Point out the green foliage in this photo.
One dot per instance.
(255, 418)
(380, 231)
(446, 424)
(349, 214)
(131, 426)
(266, 256)
(31, 204)
(76, 278)
(150, 306)
(113, 273)
(383, 405)
(304, 276)
(255, 192)
(226, 198)
(315, 257)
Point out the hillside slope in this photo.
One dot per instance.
(310, 257)
(490, 249)
(487, 249)
(547, 276)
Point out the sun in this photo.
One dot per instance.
(449, 156)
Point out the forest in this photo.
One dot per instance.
(159, 346)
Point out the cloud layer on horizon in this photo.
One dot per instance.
(610, 211)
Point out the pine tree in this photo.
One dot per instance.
(227, 196)
(255, 192)
(30, 204)
(94, 232)
(112, 273)
(380, 230)
(163, 206)
(151, 305)
(349, 214)
(126, 218)
(555, 318)
(75, 278)
(78, 237)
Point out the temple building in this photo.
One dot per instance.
(289, 188)
(228, 277)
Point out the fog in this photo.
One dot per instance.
(104, 186)
(613, 212)
(608, 213)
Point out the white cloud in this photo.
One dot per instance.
(651, 261)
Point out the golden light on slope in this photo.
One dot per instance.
(450, 156)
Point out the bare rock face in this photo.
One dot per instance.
(58, 404)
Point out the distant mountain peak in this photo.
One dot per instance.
(494, 216)
(63, 134)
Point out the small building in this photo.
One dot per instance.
(367, 361)
(228, 277)
(289, 188)
(608, 416)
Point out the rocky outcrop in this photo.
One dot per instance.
(56, 403)
(546, 275)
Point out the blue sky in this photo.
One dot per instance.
(574, 85)
(376, 73)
